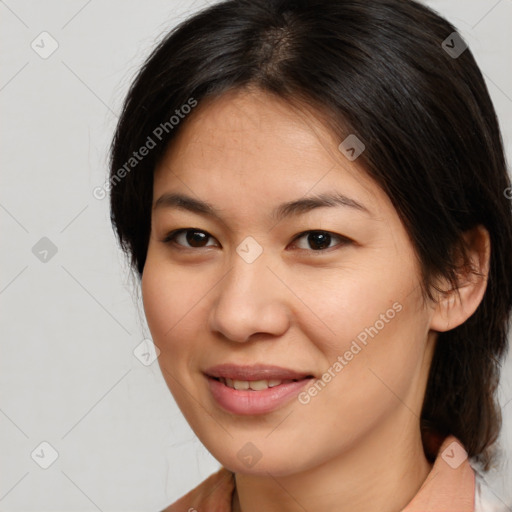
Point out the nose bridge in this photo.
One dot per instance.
(249, 299)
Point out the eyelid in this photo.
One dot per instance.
(343, 240)
(169, 238)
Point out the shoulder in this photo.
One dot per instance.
(485, 499)
(212, 495)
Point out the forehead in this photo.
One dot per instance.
(253, 146)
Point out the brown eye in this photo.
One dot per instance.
(320, 240)
(316, 241)
(195, 238)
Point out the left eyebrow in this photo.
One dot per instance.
(306, 204)
(290, 208)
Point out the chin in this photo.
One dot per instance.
(249, 460)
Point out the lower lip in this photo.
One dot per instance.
(248, 402)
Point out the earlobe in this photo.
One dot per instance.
(455, 306)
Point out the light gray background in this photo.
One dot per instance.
(69, 326)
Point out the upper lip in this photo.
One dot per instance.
(254, 372)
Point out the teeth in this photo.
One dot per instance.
(258, 385)
(255, 385)
(240, 384)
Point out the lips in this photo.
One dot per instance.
(255, 389)
(255, 372)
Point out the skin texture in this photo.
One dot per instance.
(356, 445)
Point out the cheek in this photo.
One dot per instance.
(156, 302)
(380, 367)
(174, 304)
(340, 305)
(165, 300)
(171, 316)
(376, 337)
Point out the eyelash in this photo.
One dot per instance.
(171, 236)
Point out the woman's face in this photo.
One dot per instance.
(248, 285)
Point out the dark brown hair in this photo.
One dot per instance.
(377, 69)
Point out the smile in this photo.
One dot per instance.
(255, 385)
(244, 397)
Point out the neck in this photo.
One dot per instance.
(381, 473)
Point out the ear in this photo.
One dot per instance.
(452, 308)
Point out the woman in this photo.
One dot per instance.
(313, 195)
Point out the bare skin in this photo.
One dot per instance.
(356, 445)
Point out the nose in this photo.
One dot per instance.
(250, 300)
